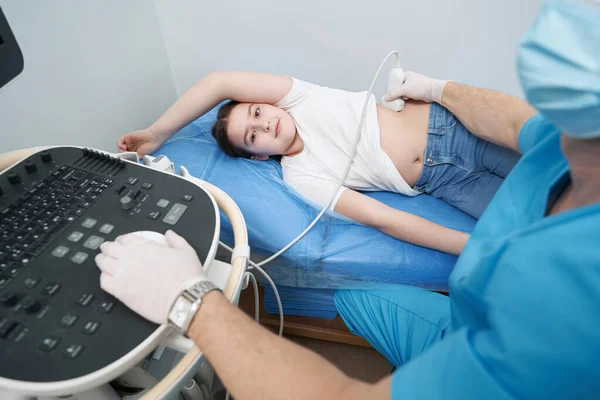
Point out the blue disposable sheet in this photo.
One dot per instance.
(317, 303)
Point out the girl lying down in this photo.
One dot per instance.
(422, 149)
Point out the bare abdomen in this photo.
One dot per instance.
(403, 137)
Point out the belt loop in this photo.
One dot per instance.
(433, 117)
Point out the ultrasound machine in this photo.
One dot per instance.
(61, 335)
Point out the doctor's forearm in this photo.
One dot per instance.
(195, 102)
(254, 363)
(493, 116)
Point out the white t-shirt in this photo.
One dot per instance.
(327, 120)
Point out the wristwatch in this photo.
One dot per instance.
(187, 303)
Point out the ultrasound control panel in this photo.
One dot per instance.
(56, 208)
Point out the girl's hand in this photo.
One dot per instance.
(142, 142)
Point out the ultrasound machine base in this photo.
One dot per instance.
(60, 333)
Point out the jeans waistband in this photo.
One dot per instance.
(438, 115)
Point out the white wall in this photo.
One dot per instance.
(340, 43)
(94, 70)
(97, 69)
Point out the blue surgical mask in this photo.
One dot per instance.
(559, 66)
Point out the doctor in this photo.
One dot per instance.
(523, 316)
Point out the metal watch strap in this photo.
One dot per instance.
(198, 290)
(193, 296)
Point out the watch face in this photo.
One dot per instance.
(180, 311)
(187, 304)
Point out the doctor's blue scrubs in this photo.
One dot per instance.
(523, 316)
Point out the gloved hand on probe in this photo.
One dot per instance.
(148, 276)
(418, 87)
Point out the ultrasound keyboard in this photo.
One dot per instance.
(56, 208)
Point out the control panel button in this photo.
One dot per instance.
(51, 289)
(6, 327)
(68, 320)
(79, 257)
(8, 299)
(106, 228)
(4, 280)
(90, 327)
(30, 305)
(147, 185)
(132, 180)
(13, 253)
(60, 251)
(76, 211)
(137, 194)
(122, 190)
(14, 178)
(75, 237)
(174, 214)
(14, 270)
(154, 215)
(49, 343)
(24, 259)
(46, 156)
(93, 242)
(105, 307)
(73, 351)
(30, 283)
(127, 203)
(163, 203)
(187, 197)
(18, 333)
(89, 223)
(85, 299)
(30, 167)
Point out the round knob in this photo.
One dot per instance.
(31, 306)
(46, 156)
(8, 299)
(30, 167)
(14, 178)
(127, 203)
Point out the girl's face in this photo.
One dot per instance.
(261, 129)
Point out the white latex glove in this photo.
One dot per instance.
(147, 276)
(418, 87)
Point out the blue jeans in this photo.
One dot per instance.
(400, 323)
(459, 167)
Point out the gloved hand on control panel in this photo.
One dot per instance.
(148, 276)
(418, 87)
